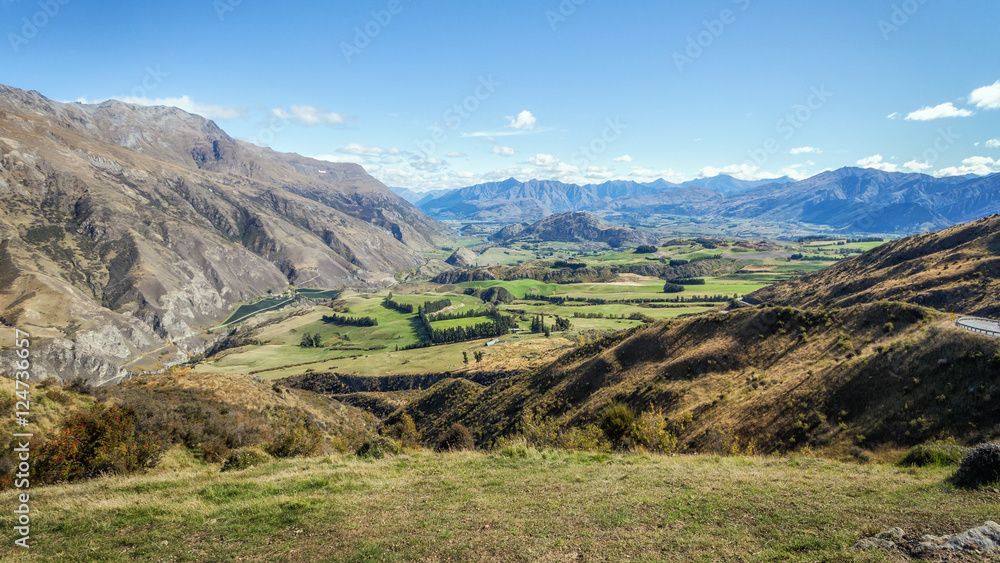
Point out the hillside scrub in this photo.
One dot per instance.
(980, 467)
(770, 379)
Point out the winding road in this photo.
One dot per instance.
(988, 327)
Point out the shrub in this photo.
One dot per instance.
(377, 446)
(653, 431)
(457, 438)
(404, 431)
(97, 441)
(617, 422)
(244, 458)
(933, 454)
(981, 466)
(296, 435)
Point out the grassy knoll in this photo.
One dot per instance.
(523, 506)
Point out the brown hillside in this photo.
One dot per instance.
(875, 374)
(955, 270)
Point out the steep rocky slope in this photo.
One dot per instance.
(124, 229)
(575, 227)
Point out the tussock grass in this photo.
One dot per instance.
(535, 505)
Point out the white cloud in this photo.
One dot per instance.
(978, 165)
(643, 174)
(893, 115)
(739, 171)
(914, 166)
(805, 150)
(928, 113)
(551, 168)
(339, 158)
(875, 162)
(367, 150)
(993, 144)
(456, 155)
(524, 120)
(427, 163)
(309, 116)
(503, 151)
(987, 97)
(794, 171)
(599, 173)
(623, 158)
(208, 111)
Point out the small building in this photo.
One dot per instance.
(492, 342)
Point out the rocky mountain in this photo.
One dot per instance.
(417, 198)
(574, 227)
(462, 258)
(955, 270)
(853, 200)
(128, 229)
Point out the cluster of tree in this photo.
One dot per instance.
(404, 308)
(707, 242)
(676, 263)
(688, 281)
(700, 258)
(311, 341)
(471, 313)
(800, 256)
(561, 264)
(672, 288)
(477, 354)
(622, 316)
(494, 295)
(499, 325)
(344, 320)
(430, 307)
(645, 249)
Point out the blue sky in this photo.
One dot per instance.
(455, 92)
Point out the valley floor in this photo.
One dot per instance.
(515, 505)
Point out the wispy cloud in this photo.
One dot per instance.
(993, 144)
(503, 151)
(309, 116)
(805, 150)
(947, 109)
(623, 158)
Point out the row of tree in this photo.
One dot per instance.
(344, 320)
(404, 308)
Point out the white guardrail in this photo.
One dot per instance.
(979, 325)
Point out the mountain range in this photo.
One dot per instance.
(515, 201)
(855, 200)
(126, 229)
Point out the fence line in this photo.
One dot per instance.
(977, 330)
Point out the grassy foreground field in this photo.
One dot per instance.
(516, 505)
